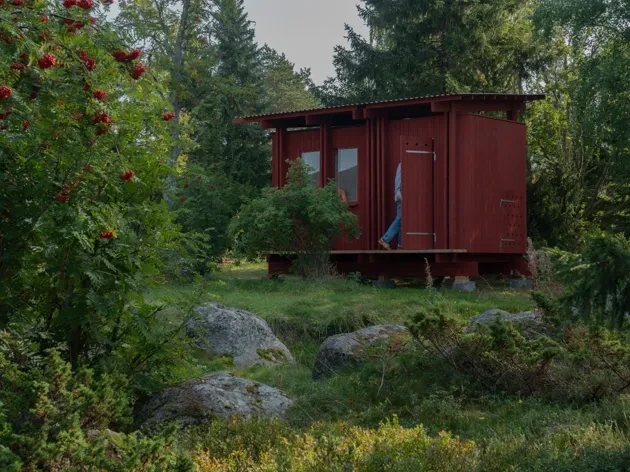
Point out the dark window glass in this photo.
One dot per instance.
(313, 161)
(347, 172)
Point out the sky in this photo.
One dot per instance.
(305, 30)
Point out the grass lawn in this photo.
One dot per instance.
(414, 387)
(316, 309)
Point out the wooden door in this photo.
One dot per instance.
(417, 158)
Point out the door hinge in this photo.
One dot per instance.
(506, 241)
(505, 201)
(433, 153)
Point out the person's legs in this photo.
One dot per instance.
(394, 229)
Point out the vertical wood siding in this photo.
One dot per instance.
(490, 178)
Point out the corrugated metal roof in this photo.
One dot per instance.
(521, 97)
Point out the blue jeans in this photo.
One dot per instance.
(394, 229)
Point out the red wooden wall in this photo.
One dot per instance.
(488, 187)
(479, 177)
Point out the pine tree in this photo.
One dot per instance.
(285, 89)
(246, 150)
(421, 47)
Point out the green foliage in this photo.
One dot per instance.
(499, 357)
(597, 281)
(341, 447)
(580, 136)
(573, 365)
(285, 89)
(352, 448)
(246, 150)
(297, 219)
(423, 47)
(52, 419)
(83, 221)
(206, 203)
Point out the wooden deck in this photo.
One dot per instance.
(383, 251)
(404, 251)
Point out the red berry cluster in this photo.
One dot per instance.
(26, 125)
(73, 26)
(47, 61)
(17, 66)
(122, 56)
(6, 114)
(168, 116)
(127, 175)
(90, 63)
(5, 92)
(99, 94)
(137, 71)
(44, 18)
(84, 4)
(134, 54)
(103, 122)
(119, 55)
(102, 118)
(106, 234)
(62, 197)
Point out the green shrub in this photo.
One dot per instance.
(597, 281)
(53, 419)
(297, 219)
(263, 446)
(577, 364)
(344, 448)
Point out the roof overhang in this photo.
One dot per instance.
(401, 108)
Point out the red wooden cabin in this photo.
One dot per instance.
(463, 179)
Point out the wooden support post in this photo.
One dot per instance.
(326, 157)
(281, 150)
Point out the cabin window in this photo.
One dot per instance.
(347, 173)
(313, 161)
